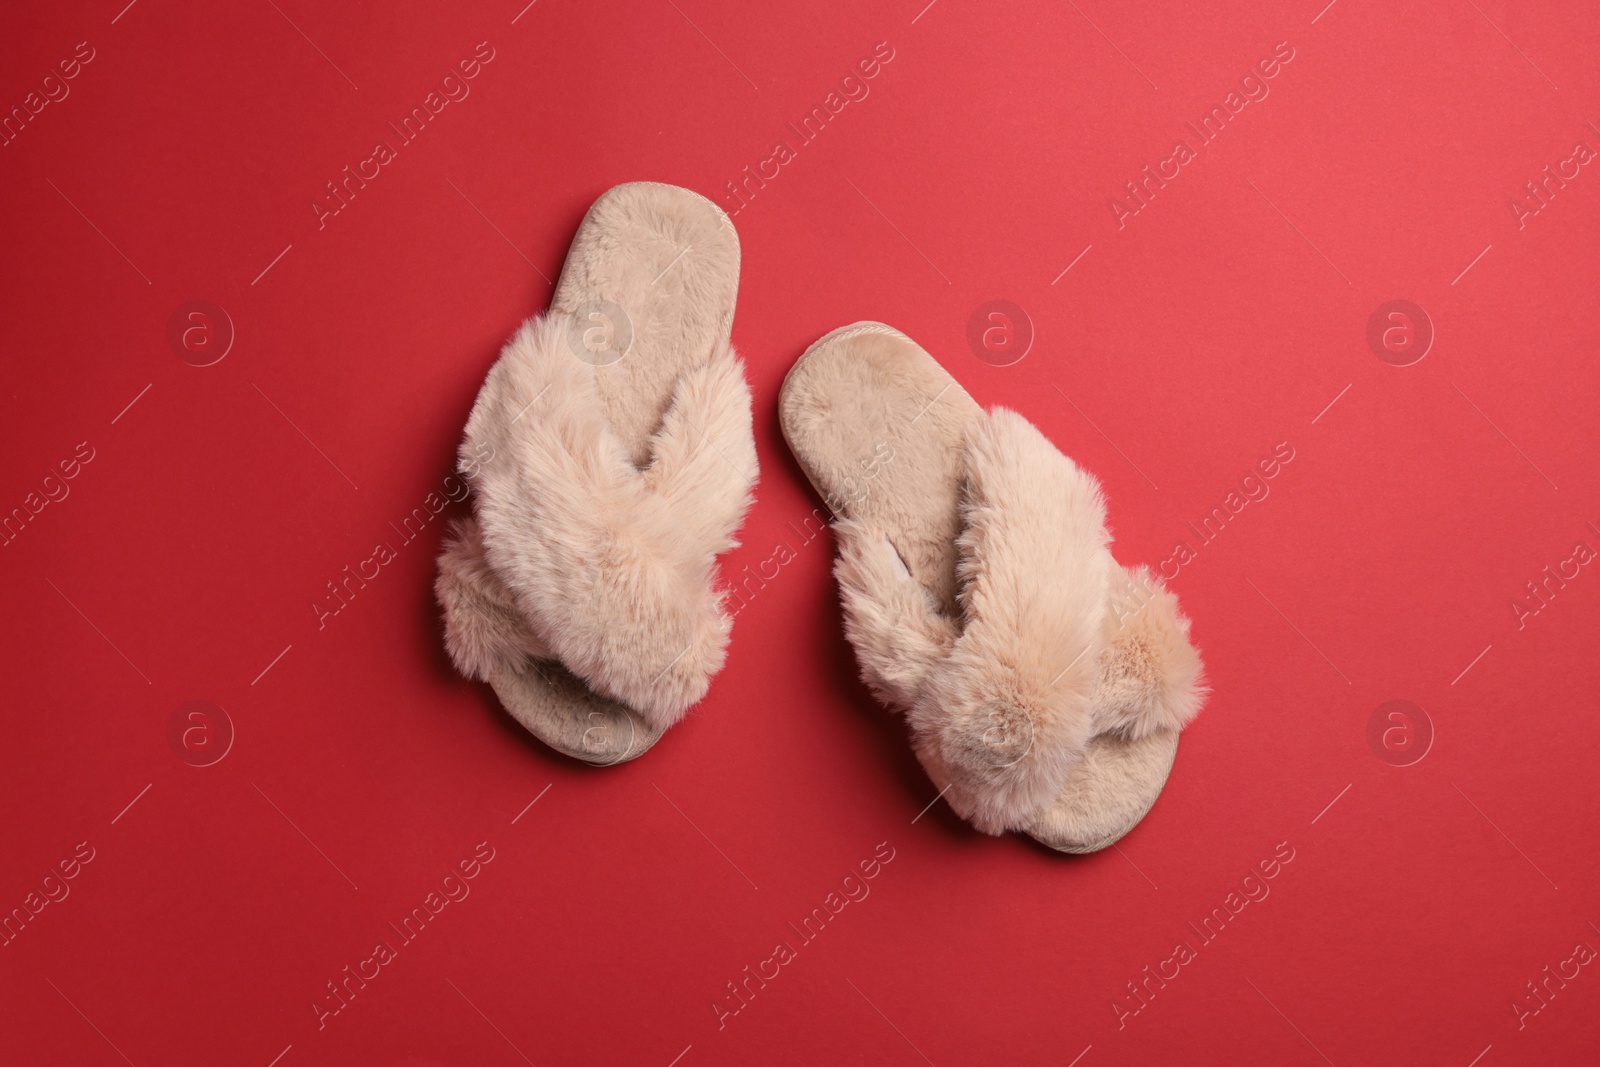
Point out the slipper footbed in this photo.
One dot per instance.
(879, 428)
(556, 707)
(669, 258)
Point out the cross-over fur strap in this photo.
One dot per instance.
(611, 567)
(1054, 643)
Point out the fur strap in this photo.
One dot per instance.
(611, 568)
(1002, 701)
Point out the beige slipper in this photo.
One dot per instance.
(1044, 684)
(611, 459)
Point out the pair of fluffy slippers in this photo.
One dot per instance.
(611, 458)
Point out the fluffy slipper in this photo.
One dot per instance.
(1044, 684)
(611, 459)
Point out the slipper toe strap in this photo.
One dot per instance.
(612, 567)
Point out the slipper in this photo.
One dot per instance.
(611, 458)
(1044, 684)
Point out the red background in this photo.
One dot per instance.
(1222, 319)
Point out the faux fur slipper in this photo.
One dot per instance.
(1044, 684)
(611, 459)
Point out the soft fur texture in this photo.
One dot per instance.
(1150, 675)
(1004, 707)
(611, 567)
(1008, 710)
(1149, 679)
(891, 621)
(484, 630)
